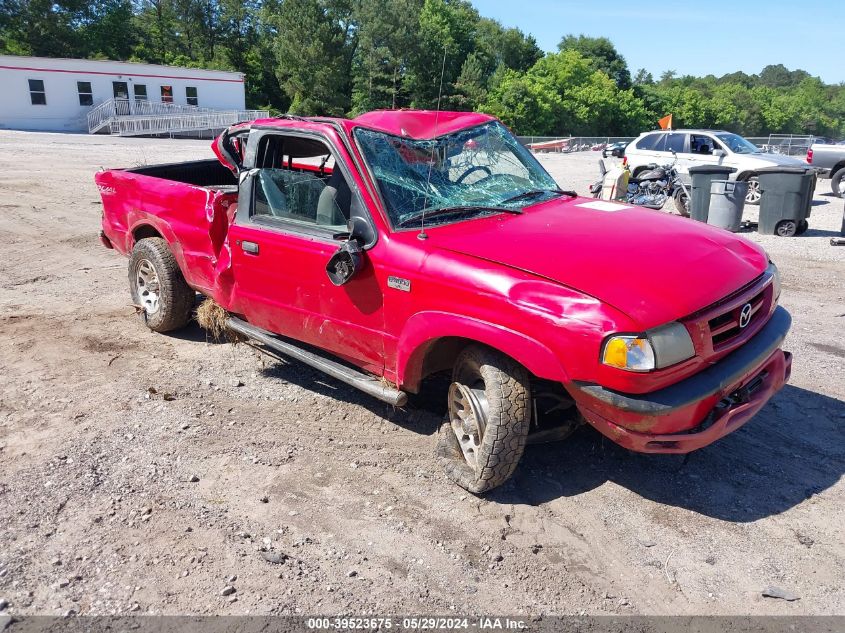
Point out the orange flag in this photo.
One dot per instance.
(666, 122)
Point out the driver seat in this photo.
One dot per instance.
(333, 206)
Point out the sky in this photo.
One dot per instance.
(693, 38)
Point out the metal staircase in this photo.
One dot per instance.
(123, 117)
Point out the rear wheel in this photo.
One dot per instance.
(837, 183)
(681, 202)
(159, 290)
(488, 419)
(753, 195)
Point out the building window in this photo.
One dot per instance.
(86, 97)
(140, 92)
(36, 92)
(167, 94)
(191, 96)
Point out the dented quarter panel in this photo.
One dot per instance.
(194, 221)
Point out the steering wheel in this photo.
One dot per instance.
(471, 170)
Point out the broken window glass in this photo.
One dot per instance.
(475, 172)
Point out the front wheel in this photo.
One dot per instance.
(488, 419)
(753, 195)
(159, 291)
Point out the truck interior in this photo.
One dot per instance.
(297, 181)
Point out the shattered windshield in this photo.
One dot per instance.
(474, 172)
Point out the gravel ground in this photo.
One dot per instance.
(142, 473)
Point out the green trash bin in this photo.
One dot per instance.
(786, 197)
(702, 177)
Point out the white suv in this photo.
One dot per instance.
(705, 147)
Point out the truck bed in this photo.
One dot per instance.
(189, 204)
(201, 173)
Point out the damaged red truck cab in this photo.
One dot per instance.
(401, 245)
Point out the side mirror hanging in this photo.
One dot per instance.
(345, 263)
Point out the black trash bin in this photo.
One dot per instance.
(702, 177)
(786, 197)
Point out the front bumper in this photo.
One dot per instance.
(700, 409)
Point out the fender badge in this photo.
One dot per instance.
(399, 284)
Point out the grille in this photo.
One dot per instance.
(725, 327)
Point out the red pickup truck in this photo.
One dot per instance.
(401, 245)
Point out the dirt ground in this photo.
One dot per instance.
(144, 473)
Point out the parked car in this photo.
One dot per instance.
(702, 147)
(829, 160)
(404, 245)
(615, 149)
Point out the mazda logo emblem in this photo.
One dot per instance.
(745, 315)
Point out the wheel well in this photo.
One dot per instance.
(144, 231)
(837, 167)
(745, 175)
(442, 354)
(444, 351)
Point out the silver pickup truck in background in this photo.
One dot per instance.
(830, 161)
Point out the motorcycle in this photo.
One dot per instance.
(652, 187)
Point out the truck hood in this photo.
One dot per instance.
(652, 266)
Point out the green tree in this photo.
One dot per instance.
(42, 28)
(643, 77)
(603, 55)
(779, 76)
(386, 31)
(313, 45)
(446, 27)
(564, 94)
(497, 46)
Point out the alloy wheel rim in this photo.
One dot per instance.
(149, 288)
(753, 191)
(468, 419)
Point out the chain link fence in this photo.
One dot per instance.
(788, 144)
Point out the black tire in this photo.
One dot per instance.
(787, 228)
(753, 195)
(164, 298)
(681, 201)
(803, 225)
(837, 182)
(505, 388)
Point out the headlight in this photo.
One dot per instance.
(775, 281)
(628, 352)
(656, 349)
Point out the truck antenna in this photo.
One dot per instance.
(422, 235)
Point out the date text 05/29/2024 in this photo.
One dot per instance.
(482, 623)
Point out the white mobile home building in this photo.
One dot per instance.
(38, 93)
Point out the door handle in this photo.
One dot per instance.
(249, 247)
